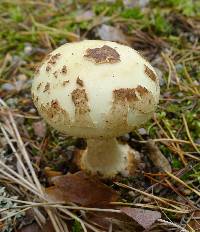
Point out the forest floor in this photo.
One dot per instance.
(32, 154)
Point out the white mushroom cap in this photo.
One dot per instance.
(95, 89)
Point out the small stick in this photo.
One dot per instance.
(188, 133)
(15, 153)
(172, 224)
(148, 195)
(183, 183)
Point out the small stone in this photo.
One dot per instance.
(132, 193)
(28, 49)
(8, 87)
(146, 200)
(12, 102)
(142, 131)
(32, 110)
(141, 166)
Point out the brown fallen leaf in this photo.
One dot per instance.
(120, 221)
(144, 217)
(30, 228)
(81, 189)
(155, 155)
(35, 228)
(39, 128)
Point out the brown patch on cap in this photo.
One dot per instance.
(55, 74)
(79, 97)
(80, 100)
(47, 87)
(38, 87)
(48, 68)
(54, 104)
(79, 82)
(125, 100)
(64, 69)
(146, 104)
(53, 58)
(141, 90)
(55, 114)
(37, 68)
(65, 82)
(51, 61)
(150, 73)
(124, 94)
(34, 98)
(117, 118)
(102, 55)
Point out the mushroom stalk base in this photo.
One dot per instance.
(107, 157)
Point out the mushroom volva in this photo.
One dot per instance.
(97, 90)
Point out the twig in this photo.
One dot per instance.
(173, 224)
(162, 200)
(20, 180)
(24, 152)
(15, 153)
(183, 183)
(13, 214)
(177, 147)
(74, 217)
(151, 207)
(188, 133)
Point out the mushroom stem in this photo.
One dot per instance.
(108, 157)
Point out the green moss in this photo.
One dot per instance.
(76, 227)
(16, 14)
(160, 24)
(176, 163)
(186, 7)
(132, 13)
(108, 8)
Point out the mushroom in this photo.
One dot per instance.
(97, 90)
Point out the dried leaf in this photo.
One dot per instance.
(145, 218)
(39, 128)
(82, 189)
(155, 155)
(106, 32)
(120, 221)
(35, 228)
(31, 228)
